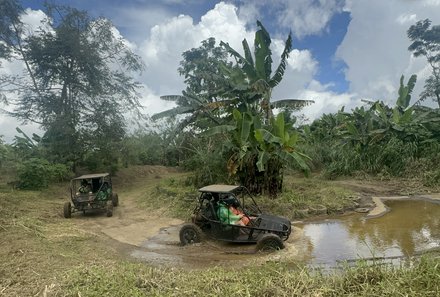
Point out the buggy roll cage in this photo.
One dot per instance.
(222, 190)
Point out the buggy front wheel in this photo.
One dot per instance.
(67, 210)
(115, 199)
(190, 233)
(109, 209)
(269, 242)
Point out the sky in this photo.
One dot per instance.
(343, 50)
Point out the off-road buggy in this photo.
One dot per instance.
(268, 231)
(90, 192)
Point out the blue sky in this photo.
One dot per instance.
(344, 50)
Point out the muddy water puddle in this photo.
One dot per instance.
(410, 228)
(164, 249)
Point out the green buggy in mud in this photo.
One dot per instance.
(91, 192)
(268, 231)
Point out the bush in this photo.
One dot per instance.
(35, 173)
(208, 168)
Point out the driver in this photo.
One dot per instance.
(229, 213)
(85, 187)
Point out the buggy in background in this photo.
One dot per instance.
(91, 192)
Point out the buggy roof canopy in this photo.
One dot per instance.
(89, 176)
(219, 188)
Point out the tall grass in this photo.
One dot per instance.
(271, 279)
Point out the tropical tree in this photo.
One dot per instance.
(215, 86)
(426, 42)
(251, 78)
(203, 101)
(258, 153)
(78, 75)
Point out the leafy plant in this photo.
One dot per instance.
(37, 173)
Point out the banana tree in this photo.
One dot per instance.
(199, 113)
(277, 150)
(253, 79)
(258, 153)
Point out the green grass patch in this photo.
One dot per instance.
(271, 279)
(301, 197)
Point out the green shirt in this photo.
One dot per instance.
(102, 195)
(226, 216)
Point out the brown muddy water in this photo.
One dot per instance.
(410, 228)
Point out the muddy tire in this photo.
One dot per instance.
(269, 242)
(109, 209)
(67, 210)
(190, 233)
(115, 199)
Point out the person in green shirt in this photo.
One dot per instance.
(104, 193)
(226, 216)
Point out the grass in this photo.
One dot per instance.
(43, 254)
(37, 243)
(271, 279)
(301, 198)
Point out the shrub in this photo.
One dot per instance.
(37, 173)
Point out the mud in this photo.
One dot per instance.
(409, 228)
(152, 237)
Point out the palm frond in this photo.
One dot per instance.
(291, 103)
(248, 66)
(172, 112)
(173, 98)
(218, 130)
(279, 73)
(247, 52)
(263, 54)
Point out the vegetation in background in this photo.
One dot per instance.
(70, 87)
(377, 140)
(223, 127)
(234, 99)
(426, 42)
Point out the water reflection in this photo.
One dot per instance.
(410, 227)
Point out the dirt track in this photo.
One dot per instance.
(154, 238)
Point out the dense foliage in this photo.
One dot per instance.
(225, 127)
(378, 139)
(232, 101)
(70, 85)
(426, 42)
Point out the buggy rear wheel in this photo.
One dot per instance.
(67, 210)
(190, 233)
(269, 242)
(109, 209)
(115, 199)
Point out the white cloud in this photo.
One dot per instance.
(303, 17)
(309, 17)
(375, 47)
(32, 19)
(162, 51)
(325, 101)
(8, 125)
(407, 18)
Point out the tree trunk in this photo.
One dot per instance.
(268, 182)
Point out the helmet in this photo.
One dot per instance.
(231, 200)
